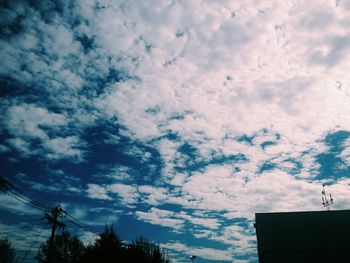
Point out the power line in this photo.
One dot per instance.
(31, 200)
(51, 214)
(8, 188)
(79, 224)
(24, 201)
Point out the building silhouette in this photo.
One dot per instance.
(298, 237)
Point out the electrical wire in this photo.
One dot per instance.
(10, 187)
(86, 228)
(15, 193)
(23, 200)
(75, 221)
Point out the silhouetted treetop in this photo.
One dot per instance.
(7, 253)
(65, 249)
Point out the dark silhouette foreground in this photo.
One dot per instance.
(107, 248)
(7, 253)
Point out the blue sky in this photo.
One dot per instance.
(176, 120)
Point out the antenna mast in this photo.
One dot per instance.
(326, 202)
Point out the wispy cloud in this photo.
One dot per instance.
(203, 252)
(161, 217)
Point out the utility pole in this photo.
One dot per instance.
(53, 219)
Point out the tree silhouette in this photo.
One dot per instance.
(65, 249)
(142, 250)
(7, 253)
(109, 248)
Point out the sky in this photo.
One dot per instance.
(176, 120)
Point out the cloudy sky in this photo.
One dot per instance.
(177, 120)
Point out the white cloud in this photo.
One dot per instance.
(263, 48)
(340, 192)
(28, 120)
(153, 195)
(97, 192)
(127, 193)
(66, 147)
(206, 72)
(211, 223)
(220, 189)
(28, 123)
(22, 145)
(170, 156)
(121, 173)
(160, 217)
(202, 252)
(242, 239)
(289, 98)
(231, 63)
(345, 153)
(87, 238)
(176, 220)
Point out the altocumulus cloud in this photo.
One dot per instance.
(187, 115)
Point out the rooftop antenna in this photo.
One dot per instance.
(326, 201)
(192, 258)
